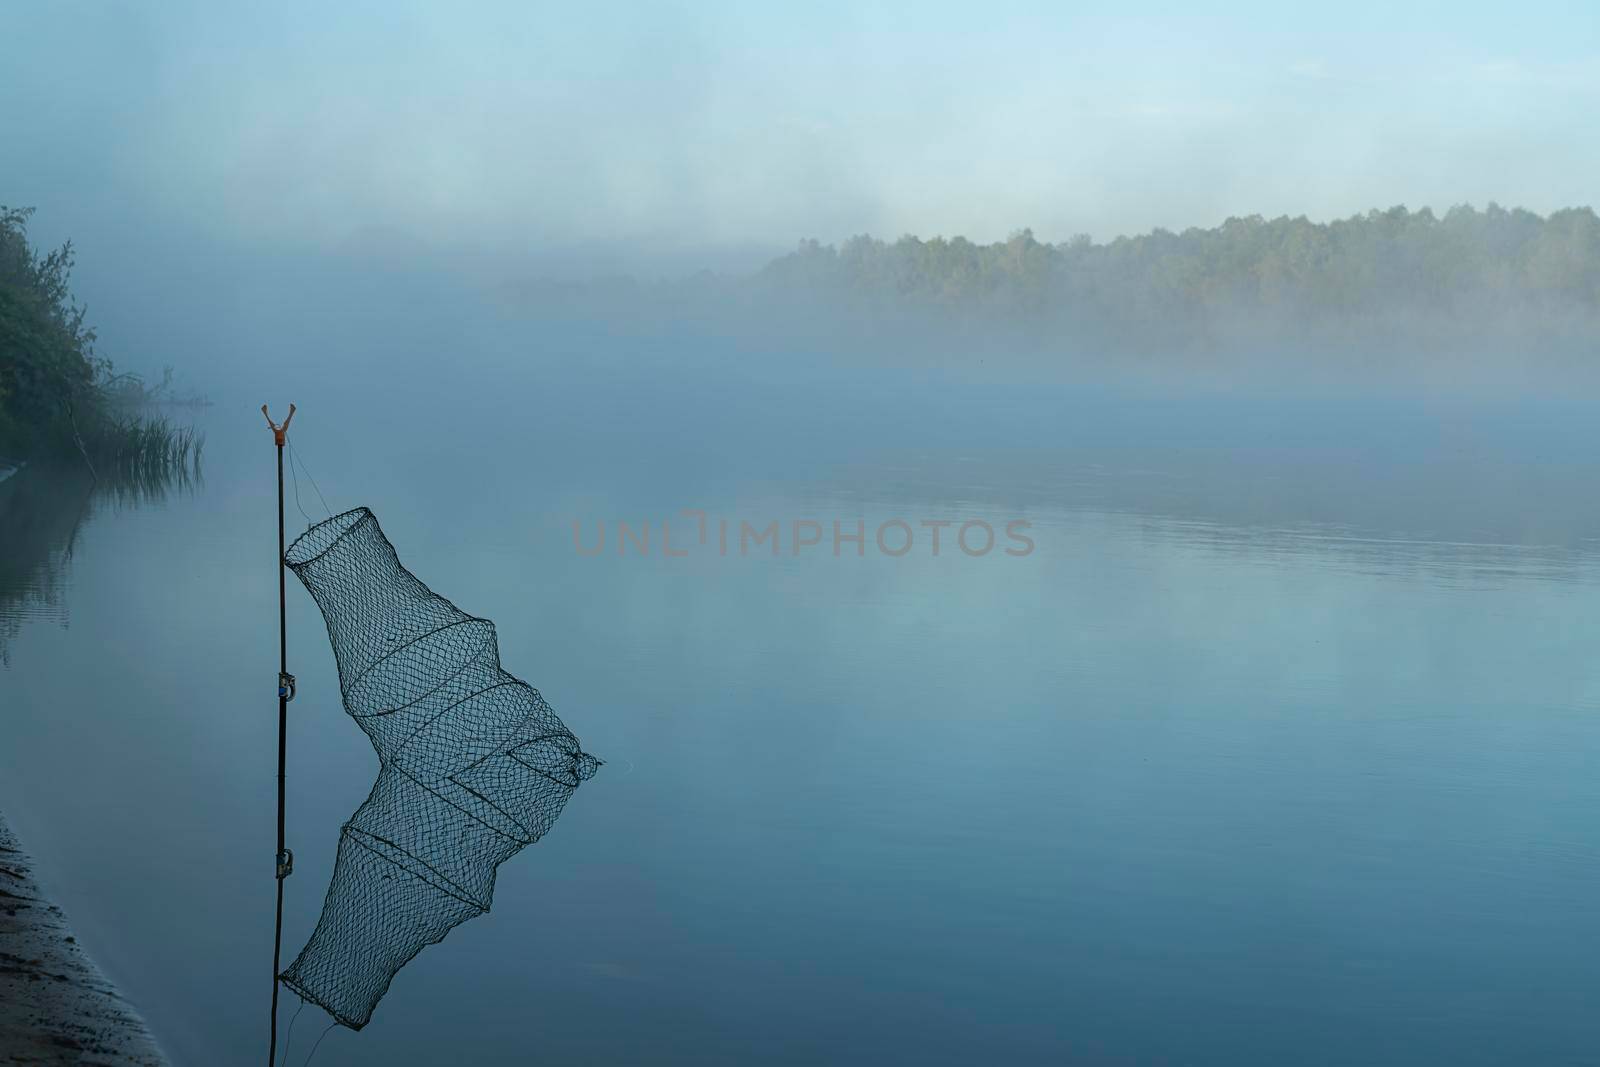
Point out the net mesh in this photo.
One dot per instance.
(474, 765)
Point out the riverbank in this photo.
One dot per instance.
(55, 1005)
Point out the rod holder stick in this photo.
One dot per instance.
(286, 685)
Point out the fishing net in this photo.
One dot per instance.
(474, 766)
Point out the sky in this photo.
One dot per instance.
(682, 136)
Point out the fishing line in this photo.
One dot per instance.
(289, 1040)
(313, 1052)
(296, 478)
(294, 454)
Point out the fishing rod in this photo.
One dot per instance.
(285, 858)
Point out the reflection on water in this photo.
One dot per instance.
(43, 508)
(1278, 749)
(40, 516)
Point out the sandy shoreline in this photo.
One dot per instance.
(55, 1005)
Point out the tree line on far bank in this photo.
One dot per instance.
(1397, 273)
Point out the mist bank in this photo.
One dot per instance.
(1493, 293)
(1474, 300)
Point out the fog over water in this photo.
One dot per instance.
(1275, 746)
(1279, 734)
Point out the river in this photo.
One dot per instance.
(1271, 739)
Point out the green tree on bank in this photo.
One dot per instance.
(58, 398)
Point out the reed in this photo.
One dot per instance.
(142, 447)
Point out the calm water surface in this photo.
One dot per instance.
(1278, 748)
